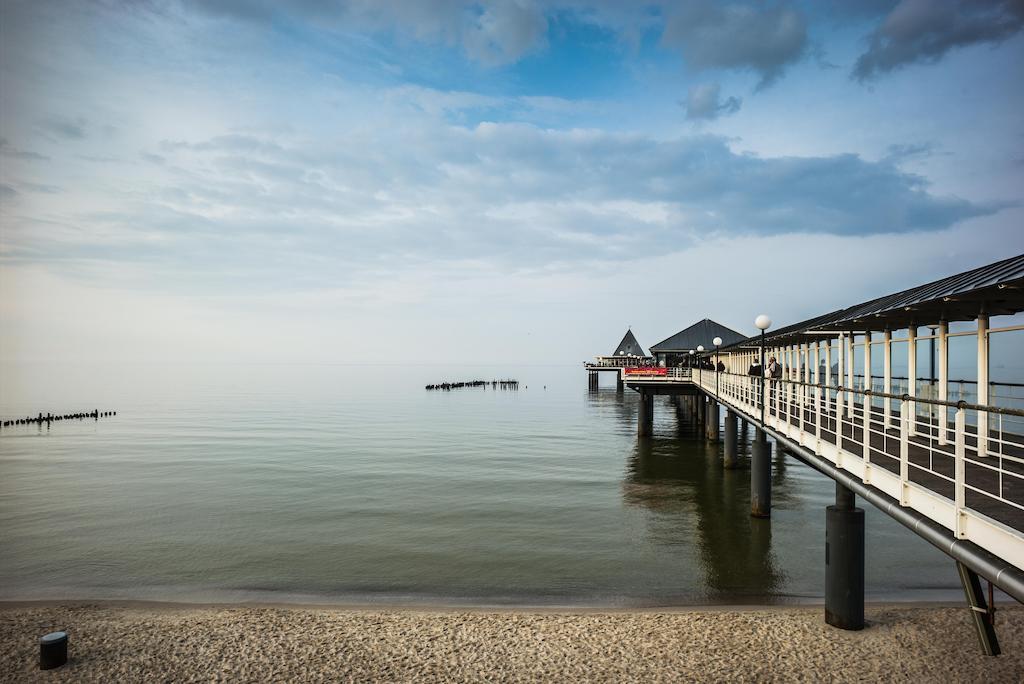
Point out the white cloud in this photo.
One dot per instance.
(705, 102)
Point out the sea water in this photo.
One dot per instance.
(353, 484)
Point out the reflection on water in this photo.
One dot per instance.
(353, 484)
(681, 479)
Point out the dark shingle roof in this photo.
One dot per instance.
(700, 333)
(628, 346)
(996, 289)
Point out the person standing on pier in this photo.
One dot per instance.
(774, 373)
(754, 372)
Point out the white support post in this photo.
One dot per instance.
(791, 375)
(849, 375)
(866, 382)
(912, 377)
(906, 419)
(786, 357)
(841, 368)
(959, 472)
(866, 405)
(817, 396)
(943, 352)
(801, 377)
(828, 374)
(983, 394)
(887, 378)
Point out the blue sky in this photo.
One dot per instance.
(511, 181)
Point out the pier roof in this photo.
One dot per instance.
(996, 289)
(700, 333)
(628, 346)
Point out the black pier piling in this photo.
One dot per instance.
(844, 562)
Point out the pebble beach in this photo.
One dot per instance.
(142, 642)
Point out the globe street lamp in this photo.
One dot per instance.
(700, 371)
(763, 323)
(718, 343)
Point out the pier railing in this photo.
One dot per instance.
(656, 373)
(923, 452)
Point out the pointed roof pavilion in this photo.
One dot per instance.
(700, 333)
(628, 346)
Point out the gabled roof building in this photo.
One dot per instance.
(629, 346)
(676, 349)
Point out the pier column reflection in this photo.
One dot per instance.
(683, 478)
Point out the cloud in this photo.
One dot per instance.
(903, 151)
(63, 128)
(7, 150)
(923, 31)
(504, 32)
(492, 32)
(763, 38)
(283, 212)
(704, 102)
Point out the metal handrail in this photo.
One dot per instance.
(958, 477)
(888, 395)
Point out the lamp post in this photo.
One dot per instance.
(718, 343)
(763, 323)
(700, 371)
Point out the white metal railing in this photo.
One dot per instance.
(922, 452)
(655, 374)
(618, 361)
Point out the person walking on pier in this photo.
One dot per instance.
(774, 372)
(755, 372)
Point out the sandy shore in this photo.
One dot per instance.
(134, 642)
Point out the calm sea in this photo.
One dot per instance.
(354, 484)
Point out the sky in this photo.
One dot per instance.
(444, 181)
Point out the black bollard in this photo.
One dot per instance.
(844, 562)
(53, 650)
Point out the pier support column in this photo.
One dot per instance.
(645, 416)
(701, 410)
(619, 385)
(844, 562)
(730, 459)
(761, 476)
(711, 424)
(981, 612)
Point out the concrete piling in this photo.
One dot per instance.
(730, 459)
(760, 476)
(844, 562)
(645, 415)
(712, 421)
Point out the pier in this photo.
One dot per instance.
(948, 465)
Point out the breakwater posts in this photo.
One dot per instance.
(494, 384)
(48, 418)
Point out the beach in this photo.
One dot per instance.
(140, 641)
